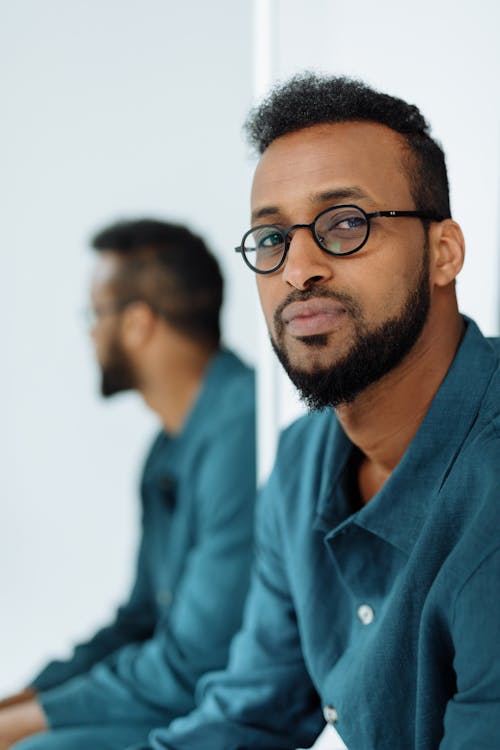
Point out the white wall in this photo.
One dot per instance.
(109, 109)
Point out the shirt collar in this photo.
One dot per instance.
(399, 509)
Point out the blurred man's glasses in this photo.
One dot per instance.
(92, 315)
(338, 230)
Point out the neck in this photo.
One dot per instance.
(383, 420)
(172, 387)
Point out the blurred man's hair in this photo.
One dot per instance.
(171, 269)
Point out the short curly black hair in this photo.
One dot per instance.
(311, 99)
(170, 268)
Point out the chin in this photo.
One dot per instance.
(312, 352)
(311, 362)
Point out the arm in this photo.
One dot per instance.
(472, 717)
(265, 698)
(20, 720)
(21, 697)
(151, 680)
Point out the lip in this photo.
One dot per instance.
(315, 316)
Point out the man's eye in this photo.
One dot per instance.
(269, 240)
(349, 222)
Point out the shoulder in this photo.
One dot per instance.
(223, 426)
(494, 342)
(158, 447)
(480, 453)
(309, 430)
(306, 451)
(230, 386)
(471, 492)
(475, 468)
(489, 415)
(303, 463)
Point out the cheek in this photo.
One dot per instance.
(382, 299)
(380, 286)
(402, 281)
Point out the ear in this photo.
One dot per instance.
(137, 325)
(447, 249)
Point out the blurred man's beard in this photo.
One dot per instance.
(117, 374)
(372, 355)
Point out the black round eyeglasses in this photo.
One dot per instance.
(338, 230)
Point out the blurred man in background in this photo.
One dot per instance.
(156, 298)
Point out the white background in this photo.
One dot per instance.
(127, 108)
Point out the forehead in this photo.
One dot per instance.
(344, 161)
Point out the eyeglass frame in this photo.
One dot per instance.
(428, 215)
(92, 315)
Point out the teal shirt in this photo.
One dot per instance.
(198, 491)
(386, 618)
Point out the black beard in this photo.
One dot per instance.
(117, 374)
(373, 354)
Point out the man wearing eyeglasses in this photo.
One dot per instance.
(374, 604)
(156, 299)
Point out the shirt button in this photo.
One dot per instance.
(366, 614)
(330, 714)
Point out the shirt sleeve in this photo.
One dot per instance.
(155, 680)
(134, 622)
(265, 698)
(472, 717)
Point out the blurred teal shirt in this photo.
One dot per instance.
(386, 619)
(198, 492)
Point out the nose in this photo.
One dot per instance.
(306, 264)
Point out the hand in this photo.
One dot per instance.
(19, 720)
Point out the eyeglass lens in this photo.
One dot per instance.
(338, 230)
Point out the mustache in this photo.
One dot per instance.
(297, 295)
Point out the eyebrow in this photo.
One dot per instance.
(337, 194)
